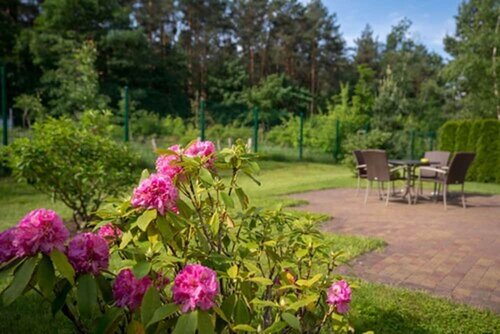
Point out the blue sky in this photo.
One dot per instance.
(432, 19)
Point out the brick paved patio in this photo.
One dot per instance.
(453, 253)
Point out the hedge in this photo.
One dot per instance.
(481, 136)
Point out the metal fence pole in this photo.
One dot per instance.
(4, 107)
(126, 115)
(255, 129)
(301, 135)
(202, 120)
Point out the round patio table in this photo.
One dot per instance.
(410, 166)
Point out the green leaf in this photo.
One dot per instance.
(146, 218)
(241, 314)
(310, 282)
(261, 280)
(244, 328)
(20, 281)
(144, 175)
(104, 286)
(214, 223)
(303, 302)
(276, 327)
(162, 313)
(86, 295)
(184, 209)
(141, 269)
(126, 238)
(228, 201)
(62, 264)
(150, 303)
(108, 323)
(264, 303)
(205, 323)
(233, 272)
(46, 276)
(60, 299)
(291, 320)
(242, 197)
(135, 327)
(206, 176)
(186, 323)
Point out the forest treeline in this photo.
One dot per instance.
(285, 57)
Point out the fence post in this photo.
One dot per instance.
(336, 151)
(4, 107)
(255, 129)
(301, 135)
(126, 116)
(202, 120)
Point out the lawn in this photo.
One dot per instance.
(381, 308)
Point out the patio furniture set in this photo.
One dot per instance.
(436, 167)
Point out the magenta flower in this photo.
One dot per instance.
(128, 290)
(156, 192)
(339, 295)
(40, 230)
(195, 286)
(165, 164)
(202, 149)
(88, 253)
(109, 232)
(7, 249)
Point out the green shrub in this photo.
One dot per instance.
(375, 139)
(462, 136)
(447, 135)
(144, 123)
(76, 165)
(488, 152)
(5, 169)
(474, 134)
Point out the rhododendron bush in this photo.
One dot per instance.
(185, 252)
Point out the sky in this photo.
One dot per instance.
(432, 19)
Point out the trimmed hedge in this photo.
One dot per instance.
(481, 136)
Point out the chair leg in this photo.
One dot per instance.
(445, 190)
(463, 197)
(359, 184)
(388, 195)
(368, 186)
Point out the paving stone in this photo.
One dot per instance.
(453, 253)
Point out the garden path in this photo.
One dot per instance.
(453, 253)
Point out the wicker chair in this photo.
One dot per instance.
(454, 173)
(378, 169)
(360, 167)
(437, 159)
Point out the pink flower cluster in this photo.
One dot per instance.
(166, 164)
(88, 253)
(128, 290)
(7, 250)
(195, 286)
(156, 192)
(339, 295)
(109, 232)
(40, 230)
(202, 149)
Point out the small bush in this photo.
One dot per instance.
(488, 152)
(74, 164)
(447, 135)
(462, 136)
(375, 139)
(474, 134)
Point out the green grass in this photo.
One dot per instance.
(375, 307)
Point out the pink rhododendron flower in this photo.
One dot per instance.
(165, 164)
(156, 192)
(109, 232)
(128, 290)
(202, 149)
(7, 249)
(339, 295)
(195, 286)
(88, 253)
(40, 230)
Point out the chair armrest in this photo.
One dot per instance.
(445, 167)
(397, 168)
(432, 169)
(361, 166)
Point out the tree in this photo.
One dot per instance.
(367, 49)
(31, 107)
(475, 69)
